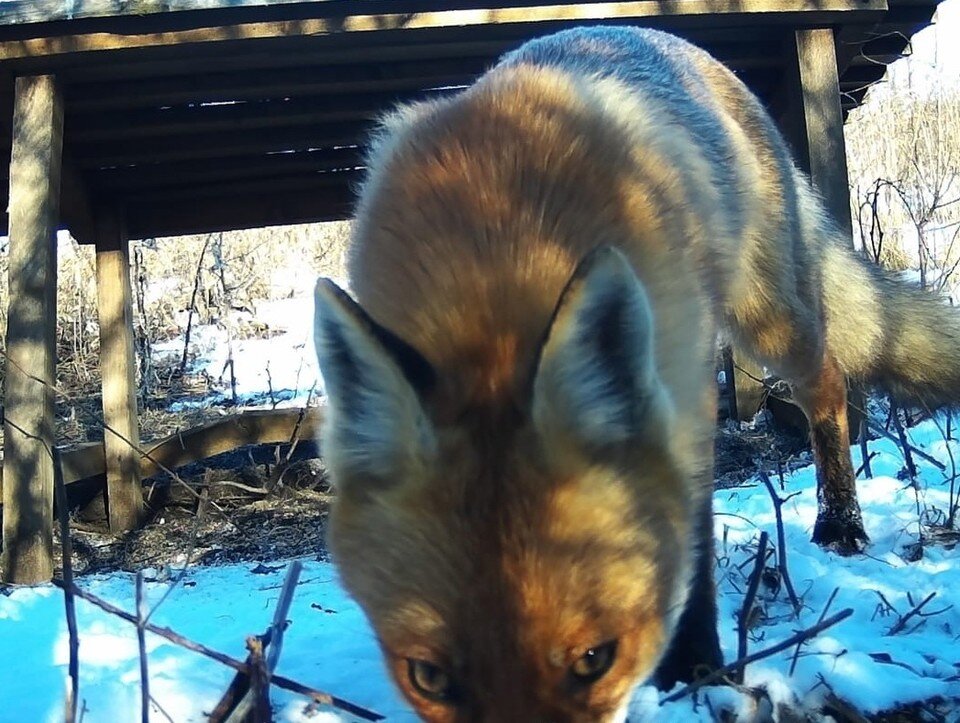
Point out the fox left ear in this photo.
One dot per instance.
(596, 383)
(376, 432)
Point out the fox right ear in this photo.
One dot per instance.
(596, 384)
(375, 432)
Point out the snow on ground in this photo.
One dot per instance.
(275, 370)
(329, 645)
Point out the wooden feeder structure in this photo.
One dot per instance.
(132, 119)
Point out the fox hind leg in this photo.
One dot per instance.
(823, 399)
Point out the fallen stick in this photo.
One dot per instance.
(907, 447)
(902, 622)
(273, 639)
(743, 619)
(796, 653)
(759, 655)
(66, 546)
(176, 638)
(142, 646)
(781, 538)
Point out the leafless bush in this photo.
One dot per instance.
(904, 161)
(175, 280)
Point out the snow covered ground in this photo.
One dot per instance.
(330, 647)
(279, 369)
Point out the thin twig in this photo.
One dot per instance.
(251, 699)
(746, 611)
(760, 655)
(160, 708)
(280, 614)
(919, 452)
(865, 467)
(902, 437)
(192, 308)
(174, 637)
(69, 603)
(142, 646)
(781, 540)
(902, 622)
(796, 653)
(953, 502)
(294, 438)
(865, 453)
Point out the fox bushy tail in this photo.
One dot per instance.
(883, 331)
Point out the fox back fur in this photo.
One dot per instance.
(522, 396)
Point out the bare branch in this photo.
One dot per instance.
(174, 637)
(726, 670)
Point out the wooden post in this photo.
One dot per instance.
(822, 142)
(825, 151)
(31, 368)
(118, 364)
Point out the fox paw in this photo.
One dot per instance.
(843, 536)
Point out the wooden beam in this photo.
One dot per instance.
(42, 11)
(39, 11)
(285, 54)
(176, 216)
(130, 180)
(238, 116)
(252, 83)
(267, 426)
(272, 426)
(31, 353)
(439, 46)
(823, 121)
(118, 364)
(773, 12)
(105, 154)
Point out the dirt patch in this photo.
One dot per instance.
(210, 515)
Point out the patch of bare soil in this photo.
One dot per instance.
(743, 449)
(235, 508)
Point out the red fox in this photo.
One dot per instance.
(521, 400)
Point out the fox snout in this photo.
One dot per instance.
(517, 564)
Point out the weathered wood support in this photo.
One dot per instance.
(31, 331)
(118, 362)
(822, 116)
(825, 150)
(260, 426)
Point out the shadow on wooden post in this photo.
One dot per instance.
(31, 331)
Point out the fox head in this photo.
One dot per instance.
(522, 563)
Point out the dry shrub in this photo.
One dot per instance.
(230, 271)
(903, 149)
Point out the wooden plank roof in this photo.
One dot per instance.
(201, 115)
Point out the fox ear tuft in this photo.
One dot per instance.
(596, 383)
(375, 432)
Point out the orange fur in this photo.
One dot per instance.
(522, 396)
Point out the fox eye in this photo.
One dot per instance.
(431, 681)
(593, 664)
